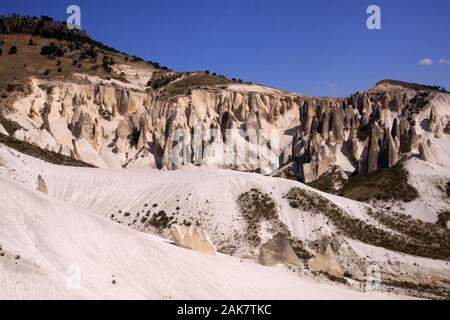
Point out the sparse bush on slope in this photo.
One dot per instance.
(194, 81)
(46, 155)
(431, 234)
(256, 207)
(52, 50)
(443, 219)
(160, 220)
(330, 182)
(384, 184)
(416, 242)
(13, 50)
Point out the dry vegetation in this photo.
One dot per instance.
(46, 155)
(420, 289)
(330, 182)
(256, 206)
(384, 184)
(67, 59)
(191, 81)
(46, 48)
(416, 238)
(160, 220)
(433, 235)
(413, 86)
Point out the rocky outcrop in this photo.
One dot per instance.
(326, 262)
(192, 238)
(278, 251)
(425, 150)
(374, 157)
(3, 131)
(447, 128)
(139, 115)
(319, 156)
(433, 120)
(42, 186)
(372, 129)
(122, 126)
(439, 130)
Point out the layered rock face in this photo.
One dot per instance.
(114, 111)
(246, 127)
(367, 131)
(119, 126)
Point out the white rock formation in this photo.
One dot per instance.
(3, 131)
(326, 262)
(126, 125)
(193, 238)
(425, 150)
(42, 186)
(278, 250)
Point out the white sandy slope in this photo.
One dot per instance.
(207, 195)
(54, 238)
(430, 180)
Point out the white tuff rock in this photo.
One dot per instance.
(42, 186)
(326, 262)
(193, 238)
(278, 250)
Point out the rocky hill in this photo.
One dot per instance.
(69, 94)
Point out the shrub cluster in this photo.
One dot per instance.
(12, 50)
(160, 80)
(52, 50)
(160, 220)
(256, 206)
(416, 242)
(383, 184)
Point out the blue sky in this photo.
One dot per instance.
(313, 47)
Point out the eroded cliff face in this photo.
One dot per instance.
(246, 127)
(118, 125)
(368, 131)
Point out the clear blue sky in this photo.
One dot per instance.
(313, 47)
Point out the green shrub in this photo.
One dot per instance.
(89, 52)
(52, 50)
(10, 87)
(107, 62)
(329, 182)
(12, 50)
(160, 80)
(160, 220)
